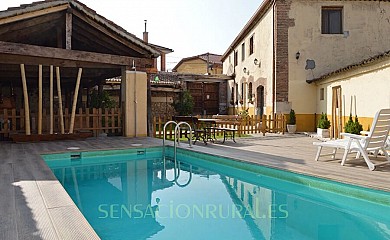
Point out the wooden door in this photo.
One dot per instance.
(260, 100)
(337, 113)
(205, 96)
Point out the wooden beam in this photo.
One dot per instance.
(75, 95)
(71, 55)
(68, 30)
(26, 105)
(33, 14)
(40, 99)
(111, 34)
(60, 100)
(27, 24)
(51, 100)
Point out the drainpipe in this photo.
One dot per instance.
(135, 99)
(273, 60)
(234, 82)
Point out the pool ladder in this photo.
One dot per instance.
(177, 127)
(177, 165)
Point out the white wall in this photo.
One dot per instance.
(263, 52)
(370, 85)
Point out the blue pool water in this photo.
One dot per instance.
(127, 194)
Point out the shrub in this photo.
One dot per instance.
(324, 122)
(292, 120)
(102, 100)
(353, 126)
(185, 104)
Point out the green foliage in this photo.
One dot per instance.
(102, 100)
(292, 119)
(353, 126)
(324, 122)
(244, 113)
(185, 104)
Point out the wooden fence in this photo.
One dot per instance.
(250, 125)
(90, 119)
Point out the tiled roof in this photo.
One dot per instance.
(365, 62)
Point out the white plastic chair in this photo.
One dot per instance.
(376, 140)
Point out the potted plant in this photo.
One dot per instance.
(291, 122)
(323, 126)
(353, 126)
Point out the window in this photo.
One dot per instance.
(322, 94)
(243, 52)
(332, 20)
(235, 58)
(232, 97)
(251, 49)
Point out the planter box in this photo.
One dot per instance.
(291, 128)
(323, 133)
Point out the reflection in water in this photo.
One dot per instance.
(142, 199)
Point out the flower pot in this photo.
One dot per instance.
(323, 133)
(291, 128)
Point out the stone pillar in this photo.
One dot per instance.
(134, 103)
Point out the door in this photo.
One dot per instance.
(260, 100)
(205, 96)
(337, 113)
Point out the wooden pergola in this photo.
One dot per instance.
(63, 45)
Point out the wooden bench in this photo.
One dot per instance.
(231, 122)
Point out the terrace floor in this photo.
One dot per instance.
(33, 204)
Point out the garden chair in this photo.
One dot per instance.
(375, 141)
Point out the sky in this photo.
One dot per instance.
(189, 27)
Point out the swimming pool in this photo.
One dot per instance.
(132, 194)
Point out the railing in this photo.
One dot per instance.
(92, 119)
(249, 125)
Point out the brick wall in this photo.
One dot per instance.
(282, 22)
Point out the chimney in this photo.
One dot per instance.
(145, 36)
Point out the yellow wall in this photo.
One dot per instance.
(197, 66)
(134, 95)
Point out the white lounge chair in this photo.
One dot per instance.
(375, 141)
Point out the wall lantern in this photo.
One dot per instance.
(244, 69)
(256, 62)
(297, 55)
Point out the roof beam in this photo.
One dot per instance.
(33, 14)
(71, 55)
(111, 35)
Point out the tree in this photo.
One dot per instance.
(184, 105)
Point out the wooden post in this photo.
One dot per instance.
(75, 96)
(40, 99)
(60, 100)
(25, 95)
(51, 100)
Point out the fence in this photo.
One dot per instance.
(250, 125)
(96, 120)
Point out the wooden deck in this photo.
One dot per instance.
(34, 205)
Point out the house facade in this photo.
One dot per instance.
(207, 63)
(360, 89)
(202, 75)
(286, 43)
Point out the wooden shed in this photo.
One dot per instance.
(52, 53)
